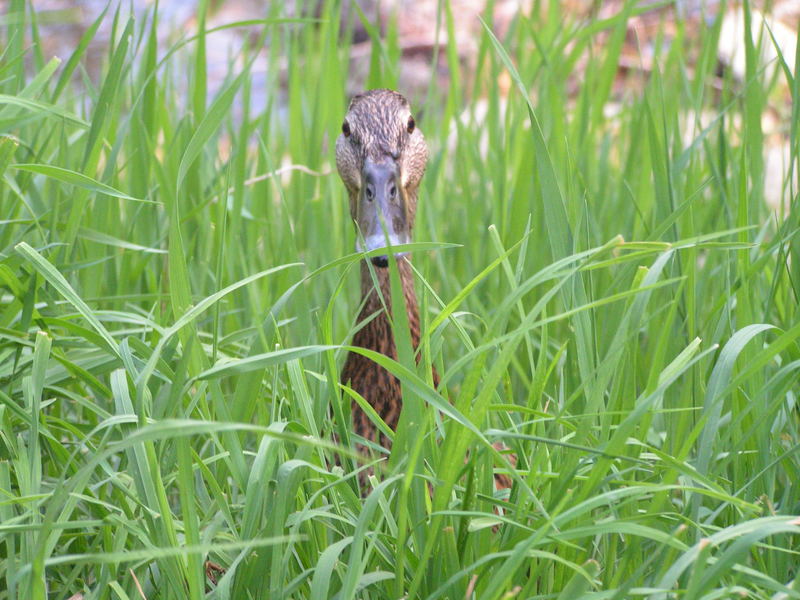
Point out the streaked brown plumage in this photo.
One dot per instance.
(373, 382)
(381, 157)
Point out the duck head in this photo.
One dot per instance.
(381, 156)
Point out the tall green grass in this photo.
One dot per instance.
(607, 295)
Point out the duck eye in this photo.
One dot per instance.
(346, 128)
(411, 125)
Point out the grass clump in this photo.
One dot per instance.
(607, 295)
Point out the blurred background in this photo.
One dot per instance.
(422, 36)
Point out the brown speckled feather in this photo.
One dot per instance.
(379, 387)
(380, 151)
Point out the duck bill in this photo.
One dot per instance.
(382, 210)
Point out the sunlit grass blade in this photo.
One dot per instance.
(77, 179)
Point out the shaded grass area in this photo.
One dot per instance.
(607, 295)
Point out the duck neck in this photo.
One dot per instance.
(377, 334)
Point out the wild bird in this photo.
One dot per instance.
(381, 156)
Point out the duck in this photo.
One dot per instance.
(381, 157)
